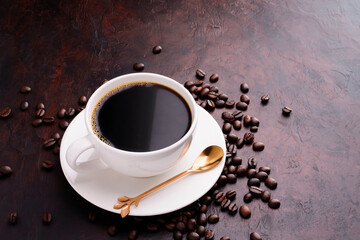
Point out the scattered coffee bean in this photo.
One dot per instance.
(152, 227)
(192, 236)
(286, 111)
(214, 89)
(92, 216)
(181, 226)
(245, 211)
(5, 112)
(227, 117)
(247, 120)
(225, 204)
(220, 196)
(199, 83)
(232, 149)
(48, 120)
(219, 103)
(157, 49)
(56, 150)
(253, 182)
(252, 162)
(265, 169)
(274, 203)
(170, 226)
(248, 138)
(61, 113)
(138, 67)
(222, 180)
(271, 183)
(223, 97)
(202, 220)
(213, 218)
(241, 106)
(40, 105)
(24, 105)
(203, 208)
(253, 129)
(248, 197)
(241, 171)
(200, 230)
(254, 121)
(82, 100)
(206, 200)
(229, 103)
(37, 122)
(251, 173)
(240, 143)
(133, 234)
(255, 191)
(231, 178)
(210, 105)
(214, 78)
(244, 87)
(265, 99)
(47, 218)
(261, 175)
(56, 136)
(245, 98)
(236, 160)
(70, 112)
(212, 96)
(225, 238)
(232, 208)
(209, 234)
(226, 127)
(203, 105)
(225, 171)
(232, 138)
(238, 115)
(237, 124)
(25, 89)
(231, 194)
(232, 169)
(13, 218)
(47, 164)
(204, 92)
(265, 196)
(255, 236)
(188, 84)
(200, 74)
(258, 146)
(177, 235)
(79, 109)
(63, 124)
(49, 143)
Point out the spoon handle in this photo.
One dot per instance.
(125, 202)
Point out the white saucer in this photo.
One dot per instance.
(102, 188)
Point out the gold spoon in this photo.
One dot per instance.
(208, 158)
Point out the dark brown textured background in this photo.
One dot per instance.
(304, 54)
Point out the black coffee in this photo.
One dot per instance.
(141, 117)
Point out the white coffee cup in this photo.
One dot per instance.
(136, 164)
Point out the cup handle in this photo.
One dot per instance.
(76, 149)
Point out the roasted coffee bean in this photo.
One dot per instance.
(240, 143)
(47, 218)
(238, 115)
(40, 113)
(112, 230)
(133, 234)
(265, 196)
(220, 196)
(48, 120)
(229, 103)
(152, 227)
(219, 103)
(261, 175)
(213, 218)
(225, 238)
(200, 230)
(203, 104)
(199, 83)
(56, 150)
(215, 192)
(56, 136)
(241, 171)
(188, 84)
(181, 227)
(231, 178)
(206, 85)
(204, 92)
(212, 96)
(237, 124)
(13, 218)
(248, 197)
(209, 234)
(271, 183)
(225, 170)
(274, 203)
(255, 191)
(232, 138)
(192, 236)
(24, 105)
(49, 143)
(253, 182)
(40, 105)
(258, 146)
(232, 208)
(231, 194)
(138, 67)
(210, 105)
(79, 109)
(82, 100)
(47, 164)
(252, 162)
(170, 226)
(253, 129)
(232, 169)
(189, 214)
(203, 208)
(232, 149)
(265, 169)
(195, 97)
(244, 87)
(206, 200)
(248, 138)
(247, 120)
(254, 121)
(5, 112)
(255, 236)
(193, 89)
(228, 117)
(241, 106)
(25, 89)
(223, 97)
(63, 124)
(214, 89)
(202, 220)
(251, 173)
(236, 160)
(245, 98)
(265, 99)
(286, 111)
(182, 218)
(245, 211)
(177, 235)
(214, 78)
(157, 49)
(228, 162)
(37, 122)
(61, 113)
(70, 112)
(200, 74)
(225, 204)
(222, 180)
(92, 216)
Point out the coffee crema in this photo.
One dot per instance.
(141, 116)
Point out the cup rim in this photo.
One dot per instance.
(179, 142)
